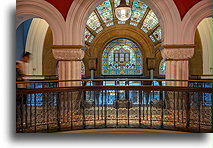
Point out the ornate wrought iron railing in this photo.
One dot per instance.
(84, 107)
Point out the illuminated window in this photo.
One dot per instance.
(105, 11)
(138, 11)
(162, 67)
(157, 33)
(150, 22)
(93, 21)
(141, 13)
(87, 35)
(122, 57)
(83, 70)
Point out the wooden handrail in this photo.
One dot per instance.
(83, 80)
(102, 88)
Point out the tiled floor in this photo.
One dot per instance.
(122, 130)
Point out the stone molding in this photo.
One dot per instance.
(177, 53)
(68, 54)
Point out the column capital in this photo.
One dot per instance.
(68, 52)
(178, 52)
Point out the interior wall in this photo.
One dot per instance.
(196, 62)
(21, 37)
(205, 31)
(48, 61)
(34, 45)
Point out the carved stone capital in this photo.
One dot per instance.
(177, 53)
(68, 53)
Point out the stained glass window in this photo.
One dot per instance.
(87, 35)
(91, 39)
(157, 33)
(122, 57)
(83, 70)
(152, 38)
(105, 10)
(150, 22)
(93, 21)
(162, 67)
(138, 10)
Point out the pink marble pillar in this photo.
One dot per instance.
(177, 63)
(69, 63)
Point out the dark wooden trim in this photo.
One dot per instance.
(179, 46)
(127, 88)
(83, 80)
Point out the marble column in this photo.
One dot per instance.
(69, 59)
(177, 63)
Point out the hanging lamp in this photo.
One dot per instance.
(123, 12)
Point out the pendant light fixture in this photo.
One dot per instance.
(123, 12)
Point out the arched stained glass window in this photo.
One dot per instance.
(93, 21)
(83, 69)
(87, 35)
(105, 11)
(142, 17)
(157, 33)
(138, 11)
(162, 68)
(150, 22)
(122, 57)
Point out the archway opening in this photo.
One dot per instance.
(99, 26)
(35, 36)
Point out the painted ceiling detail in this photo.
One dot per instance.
(185, 5)
(63, 6)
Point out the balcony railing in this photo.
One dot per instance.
(54, 108)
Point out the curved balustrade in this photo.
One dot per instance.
(85, 107)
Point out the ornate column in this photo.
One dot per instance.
(177, 62)
(69, 59)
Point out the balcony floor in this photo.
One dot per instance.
(121, 130)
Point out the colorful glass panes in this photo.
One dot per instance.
(150, 22)
(87, 35)
(83, 70)
(93, 21)
(105, 11)
(121, 57)
(162, 67)
(157, 33)
(138, 11)
(121, 22)
(91, 39)
(152, 38)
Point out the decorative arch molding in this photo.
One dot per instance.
(126, 31)
(80, 10)
(195, 15)
(42, 9)
(114, 32)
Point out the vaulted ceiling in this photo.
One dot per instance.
(183, 6)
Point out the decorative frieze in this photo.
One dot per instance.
(68, 53)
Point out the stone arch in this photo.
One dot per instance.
(194, 16)
(78, 14)
(115, 32)
(42, 9)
